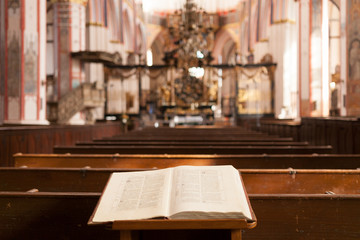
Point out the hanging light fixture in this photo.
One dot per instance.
(191, 33)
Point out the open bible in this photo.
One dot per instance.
(185, 192)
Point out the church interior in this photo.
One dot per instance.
(93, 87)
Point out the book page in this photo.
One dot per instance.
(216, 190)
(135, 195)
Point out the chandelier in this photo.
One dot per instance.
(191, 35)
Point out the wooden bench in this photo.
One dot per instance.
(281, 216)
(56, 179)
(299, 161)
(290, 204)
(228, 137)
(50, 215)
(191, 140)
(193, 132)
(219, 141)
(193, 143)
(206, 134)
(339, 132)
(41, 139)
(193, 149)
(176, 134)
(190, 130)
(284, 212)
(305, 216)
(257, 181)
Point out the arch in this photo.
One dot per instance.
(141, 41)
(157, 52)
(336, 3)
(157, 48)
(128, 32)
(152, 32)
(223, 38)
(113, 20)
(229, 52)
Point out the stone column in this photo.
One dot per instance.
(352, 79)
(313, 58)
(69, 36)
(2, 61)
(22, 78)
(304, 55)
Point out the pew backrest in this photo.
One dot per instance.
(288, 181)
(194, 149)
(265, 161)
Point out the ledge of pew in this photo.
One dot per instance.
(257, 161)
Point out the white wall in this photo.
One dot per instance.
(282, 45)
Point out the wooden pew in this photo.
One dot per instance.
(192, 140)
(193, 134)
(59, 216)
(194, 131)
(193, 149)
(41, 139)
(194, 143)
(339, 132)
(271, 199)
(282, 161)
(305, 216)
(50, 215)
(215, 144)
(190, 132)
(55, 212)
(206, 134)
(281, 216)
(56, 179)
(283, 212)
(289, 181)
(195, 138)
(208, 131)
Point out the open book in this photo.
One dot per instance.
(185, 192)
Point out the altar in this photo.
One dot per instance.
(193, 114)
